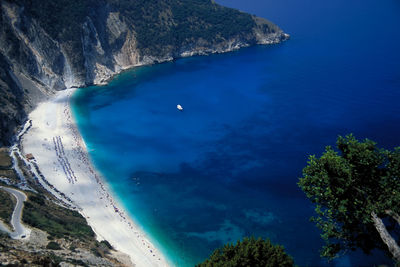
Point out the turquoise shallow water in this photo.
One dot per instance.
(227, 166)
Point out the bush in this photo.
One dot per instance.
(78, 262)
(106, 243)
(249, 252)
(53, 245)
(37, 199)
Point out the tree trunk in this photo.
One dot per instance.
(394, 215)
(386, 237)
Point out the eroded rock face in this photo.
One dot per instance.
(33, 64)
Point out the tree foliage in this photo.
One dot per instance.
(249, 252)
(348, 188)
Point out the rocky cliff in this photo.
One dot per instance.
(47, 46)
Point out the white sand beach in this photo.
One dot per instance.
(62, 158)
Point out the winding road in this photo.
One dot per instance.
(20, 231)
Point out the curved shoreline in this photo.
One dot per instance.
(61, 155)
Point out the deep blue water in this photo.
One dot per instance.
(227, 166)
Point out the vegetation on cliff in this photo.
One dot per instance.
(180, 22)
(6, 207)
(59, 223)
(357, 195)
(160, 25)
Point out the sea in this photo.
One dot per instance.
(227, 166)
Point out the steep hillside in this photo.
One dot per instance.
(59, 234)
(51, 45)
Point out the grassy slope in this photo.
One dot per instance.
(60, 222)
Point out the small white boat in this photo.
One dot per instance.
(179, 107)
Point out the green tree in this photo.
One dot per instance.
(249, 252)
(354, 190)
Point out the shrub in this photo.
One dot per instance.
(249, 252)
(53, 245)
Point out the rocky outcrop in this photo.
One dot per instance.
(35, 62)
(36, 251)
